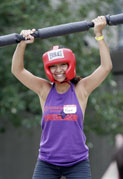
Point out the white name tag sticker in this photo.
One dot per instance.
(70, 109)
(55, 54)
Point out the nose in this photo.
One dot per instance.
(58, 68)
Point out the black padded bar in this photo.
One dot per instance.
(63, 29)
(115, 19)
(60, 30)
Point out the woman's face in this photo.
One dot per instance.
(58, 71)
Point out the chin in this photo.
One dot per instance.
(60, 80)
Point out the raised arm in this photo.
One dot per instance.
(97, 77)
(34, 83)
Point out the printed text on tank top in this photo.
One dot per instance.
(80, 93)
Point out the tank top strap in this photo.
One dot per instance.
(53, 85)
(72, 86)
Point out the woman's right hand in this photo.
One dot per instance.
(27, 35)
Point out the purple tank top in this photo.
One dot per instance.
(63, 140)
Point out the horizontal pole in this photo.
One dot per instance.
(60, 30)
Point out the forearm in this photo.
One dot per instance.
(99, 24)
(18, 58)
(105, 57)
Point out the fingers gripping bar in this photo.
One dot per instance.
(59, 30)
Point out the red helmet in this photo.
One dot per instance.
(59, 55)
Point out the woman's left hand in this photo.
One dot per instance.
(99, 24)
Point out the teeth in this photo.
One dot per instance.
(59, 75)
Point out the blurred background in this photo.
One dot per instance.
(20, 112)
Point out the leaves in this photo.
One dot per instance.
(104, 110)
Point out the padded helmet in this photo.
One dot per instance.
(59, 55)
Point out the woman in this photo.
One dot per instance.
(63, 150)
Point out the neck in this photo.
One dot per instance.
(62, 87)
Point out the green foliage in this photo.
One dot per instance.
(106, 110)
(15, 99)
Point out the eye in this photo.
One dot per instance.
(52, 66)
(64, 64)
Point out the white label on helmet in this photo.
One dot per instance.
(55, 54)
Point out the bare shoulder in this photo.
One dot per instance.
(43, 93)
(45, 88)
(80, 89)
(82, 95)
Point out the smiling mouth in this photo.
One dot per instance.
(59, 76)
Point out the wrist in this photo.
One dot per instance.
(98, 34)
(99, 38)
(22, 44)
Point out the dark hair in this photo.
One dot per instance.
(76, 79)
